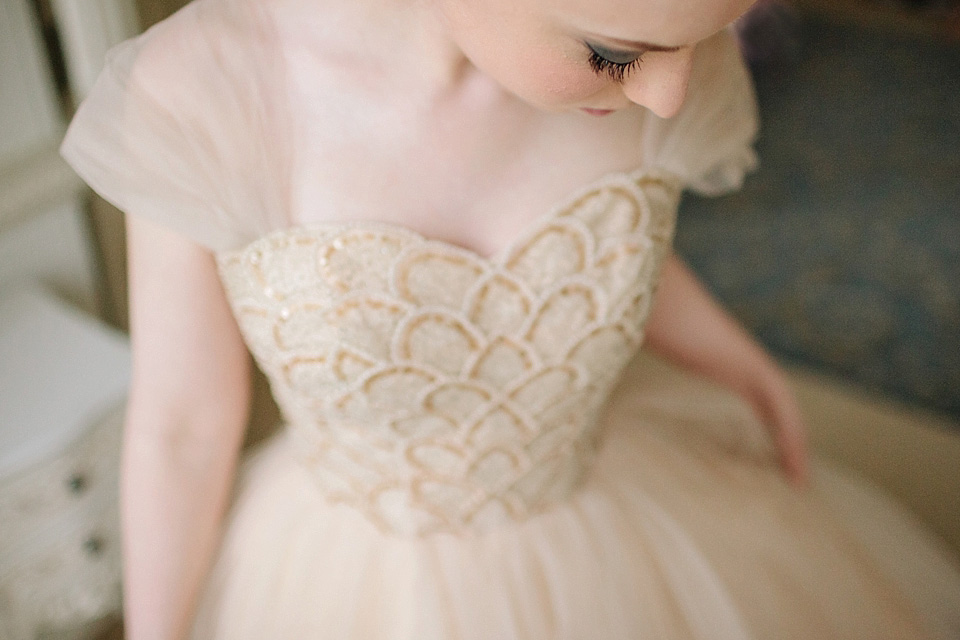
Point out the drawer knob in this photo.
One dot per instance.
(93, 545)
(77, 483)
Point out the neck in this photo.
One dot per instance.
(443, 57)
(413, 33)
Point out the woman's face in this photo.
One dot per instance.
(593, 55)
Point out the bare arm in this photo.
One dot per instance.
(184, 426)
(688, 327)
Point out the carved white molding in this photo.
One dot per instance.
(88, 28)
(29, 109)
(32, 176)
(35, 182)
(42, 229)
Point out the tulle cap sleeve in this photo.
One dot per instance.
(155, 137)
(709, 143)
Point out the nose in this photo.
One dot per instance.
(661, 84)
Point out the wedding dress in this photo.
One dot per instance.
(471, 449)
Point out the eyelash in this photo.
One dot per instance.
(616, 71)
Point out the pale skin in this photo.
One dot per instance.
(471, 83)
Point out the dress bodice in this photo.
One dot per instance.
(435, 389)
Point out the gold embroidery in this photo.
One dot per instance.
(434, 390)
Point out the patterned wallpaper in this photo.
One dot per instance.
(843, 251)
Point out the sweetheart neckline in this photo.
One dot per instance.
(498, 257)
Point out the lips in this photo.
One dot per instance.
(597, 112)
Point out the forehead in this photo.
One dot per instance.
(662, 22)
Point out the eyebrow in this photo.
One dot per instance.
(635, 44)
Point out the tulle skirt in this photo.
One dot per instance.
(684, 528)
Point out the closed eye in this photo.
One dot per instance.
(616, 65)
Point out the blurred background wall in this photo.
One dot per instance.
(842, 252)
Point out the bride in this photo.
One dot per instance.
(472, 200)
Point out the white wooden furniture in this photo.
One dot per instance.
(63, 378)
(63, 375)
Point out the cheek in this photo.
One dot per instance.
(567, 81)
(535, 71)
(545, 79)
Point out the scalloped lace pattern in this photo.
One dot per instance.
(437, 390)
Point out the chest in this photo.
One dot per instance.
(472, 171)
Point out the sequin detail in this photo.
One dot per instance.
(437, 390)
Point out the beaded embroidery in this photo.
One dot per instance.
(437, 390)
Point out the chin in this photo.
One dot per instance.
(549, 102)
